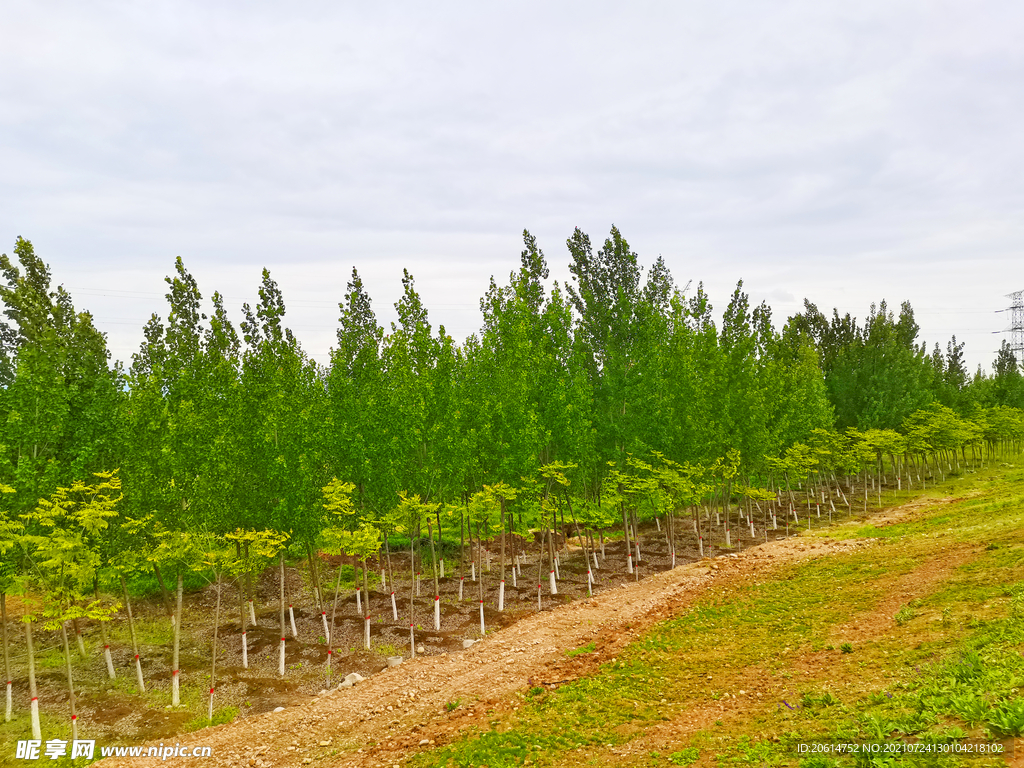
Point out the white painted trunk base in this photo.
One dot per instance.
(327, 631)
(501, 595)
(138, 675)
(291, 619)
(245, 652)
(629, 563)
(175, 688)
(37, 733)
(394, 606)
(700, 545)
(552, 583)
(359, 600)
(252, 614)
(366, 632)
(110, 662)
(472, 571)
(412, 641)
(280, 659)
(483, 629)
(437, 613)
(462, 581)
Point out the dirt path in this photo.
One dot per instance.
(407, 707)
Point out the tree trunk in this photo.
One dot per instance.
(552, 583)
(441, 561)
(437, 589)
(7, 658)
(106, 651)
(32, 689)
(242, 624)
(176, 670)
(334, 613)
(71, 684)
(412, 598)
(540, 566)
(78, 638)
(213, 663)
(280, 657)
(462, 552)
(480, 586)
(391, 579)
(317, 590)
(314, 577)
(629, 548)
(583, 546)
(165, 595)
(366, 607)
(501, 584)
(131, 633)
(248, 588)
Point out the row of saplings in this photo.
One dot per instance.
(552, 544)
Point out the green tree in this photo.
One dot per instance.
(59, 541)
(876, 374)
(59, 408)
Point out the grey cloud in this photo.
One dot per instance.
(850, 149)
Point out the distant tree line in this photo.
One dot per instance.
(230, 444)
(235, 424)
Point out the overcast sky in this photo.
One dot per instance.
(843, 152)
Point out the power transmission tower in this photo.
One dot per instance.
(1016, 329)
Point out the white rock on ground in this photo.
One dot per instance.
(351, 680)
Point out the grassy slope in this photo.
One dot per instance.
(818, 651)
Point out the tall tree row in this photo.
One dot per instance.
(218, 430)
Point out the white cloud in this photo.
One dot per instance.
(843, 153)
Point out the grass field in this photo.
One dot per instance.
(911, 642)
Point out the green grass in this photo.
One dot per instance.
(588, 648)
(220, 716)
(950, 665)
